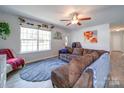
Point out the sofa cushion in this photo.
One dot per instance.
(95, 55)
(78, 51)
(88, 59)
(87, 51)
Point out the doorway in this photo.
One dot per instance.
(117, 41)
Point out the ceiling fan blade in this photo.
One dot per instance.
(87, 18)
(68, 24)
(79, 23)
(65, 20)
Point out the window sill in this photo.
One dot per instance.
(35, 51)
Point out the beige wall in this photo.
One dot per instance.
(103, 36)
(13, 42)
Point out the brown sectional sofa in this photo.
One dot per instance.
(72, 74)
(76, 53)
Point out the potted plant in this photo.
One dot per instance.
(4, 30)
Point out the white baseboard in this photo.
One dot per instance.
(40, 59)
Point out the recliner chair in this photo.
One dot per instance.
(13, 61)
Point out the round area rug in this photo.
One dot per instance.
(41, 70)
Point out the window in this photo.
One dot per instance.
(35, 40)
(66, 40)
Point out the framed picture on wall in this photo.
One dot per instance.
(91, 36)
(57, 35)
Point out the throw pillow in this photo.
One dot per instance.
(69, 49)
(64, 50)
(78, 51)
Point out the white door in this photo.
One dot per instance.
(116, 41)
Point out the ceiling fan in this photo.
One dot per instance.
(75, 19)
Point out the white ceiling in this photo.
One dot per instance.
(53, 13)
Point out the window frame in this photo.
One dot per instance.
(36, 51)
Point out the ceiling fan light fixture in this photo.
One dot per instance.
(74, 21)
